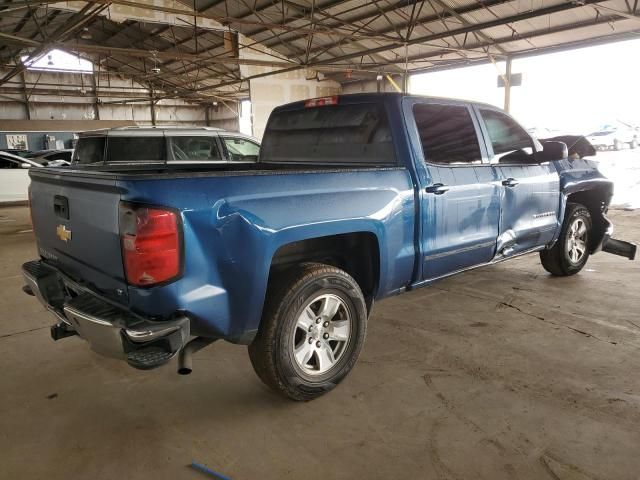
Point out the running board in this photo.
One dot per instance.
(620, 247)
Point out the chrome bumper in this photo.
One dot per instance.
(110, 329)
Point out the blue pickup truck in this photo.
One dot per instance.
(353, 198)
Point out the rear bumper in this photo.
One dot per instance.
(110, 329)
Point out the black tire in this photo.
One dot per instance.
(557, 260)
(288, 296)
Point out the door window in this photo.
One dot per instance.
(510, 142)
(8, 163)
(447, 134)
(135, 149)
(241, 150)
(198, 148)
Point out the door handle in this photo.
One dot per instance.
(437, 189)
(510, 182)
(61, 206)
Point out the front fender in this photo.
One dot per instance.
(582, 182)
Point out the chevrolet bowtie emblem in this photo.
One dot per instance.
(63, 234)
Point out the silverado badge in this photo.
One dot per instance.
(63, 234)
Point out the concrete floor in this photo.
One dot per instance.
(503, 372)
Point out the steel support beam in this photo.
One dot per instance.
(507, 86)
(27, 107)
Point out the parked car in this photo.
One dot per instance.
(52, 158)
(354, 198)
(165, 145)
(15, 151)
(14, 177)
(615, 137)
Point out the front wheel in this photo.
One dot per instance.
(312, 331)
(570, 253)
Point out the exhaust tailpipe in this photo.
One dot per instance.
(185, 365)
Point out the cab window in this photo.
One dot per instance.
(447, 134)
(510, 142)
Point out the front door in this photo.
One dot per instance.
(459, 196)
(531, 190)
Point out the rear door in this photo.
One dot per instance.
(459, 198)
(530, 190)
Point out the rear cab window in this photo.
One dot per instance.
(331, 134)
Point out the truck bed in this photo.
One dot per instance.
(234, 219)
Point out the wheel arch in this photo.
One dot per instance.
(357, 253)
(595, 197)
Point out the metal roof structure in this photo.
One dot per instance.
(347, 40)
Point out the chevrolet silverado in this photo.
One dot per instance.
(352, 199)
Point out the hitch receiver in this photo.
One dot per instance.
(60, 331)
(620, 247)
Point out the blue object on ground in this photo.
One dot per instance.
(205, 469)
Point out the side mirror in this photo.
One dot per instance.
(553, 151)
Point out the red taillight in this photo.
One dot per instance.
(321, 102)
(150, 244)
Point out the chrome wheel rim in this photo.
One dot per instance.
(321, 334)
(577, 240)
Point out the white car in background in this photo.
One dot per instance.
(52, 158)
(14, 177)
(614, 137)
(543, 132)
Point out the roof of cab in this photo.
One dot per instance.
(373, 97)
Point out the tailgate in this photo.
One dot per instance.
(75, 220)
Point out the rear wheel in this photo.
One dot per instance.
(312, 331)
(570, 253)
